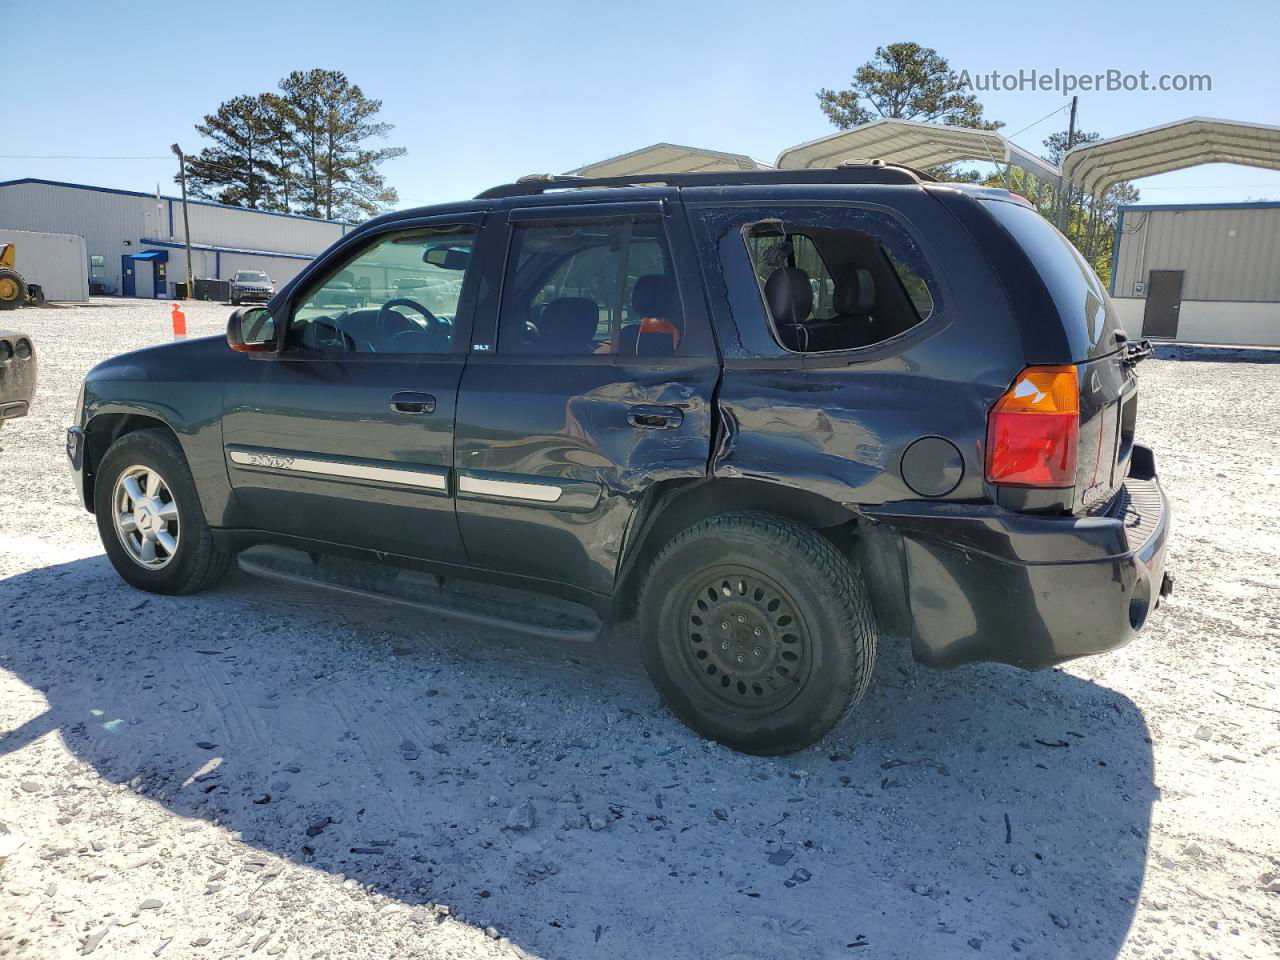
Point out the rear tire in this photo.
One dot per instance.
(181, 557)
(757, 632)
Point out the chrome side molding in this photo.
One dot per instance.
(509, 489)
(436, 480)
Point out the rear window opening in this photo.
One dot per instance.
(827, 289)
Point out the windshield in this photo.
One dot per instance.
(256, 276)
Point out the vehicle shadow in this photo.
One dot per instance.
(984, 808)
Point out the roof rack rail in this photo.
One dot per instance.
(850, 171)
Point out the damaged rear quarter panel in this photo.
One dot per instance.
(841, 432)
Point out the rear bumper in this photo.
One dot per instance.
(990, 585)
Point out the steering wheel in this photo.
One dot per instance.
(326, 334)
(434, 324)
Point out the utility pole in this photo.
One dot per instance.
(186, 221)
(1064, 204)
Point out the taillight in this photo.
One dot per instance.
(1033, 430)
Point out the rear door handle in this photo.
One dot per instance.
(413, 404)
(650, 416)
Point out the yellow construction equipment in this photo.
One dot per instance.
(15, 291)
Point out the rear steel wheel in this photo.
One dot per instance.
(757, 631)
(745, 640)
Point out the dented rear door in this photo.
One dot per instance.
(556, 443)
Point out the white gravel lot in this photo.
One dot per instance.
(263, 772)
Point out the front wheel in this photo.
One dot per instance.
(757, 632)
(150, 519)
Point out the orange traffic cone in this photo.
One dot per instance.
(179, 324)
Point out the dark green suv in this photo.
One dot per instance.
(775, 414)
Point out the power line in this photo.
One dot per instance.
(1040, 121)
(1212, 186)
(39, 156)
(43, 156)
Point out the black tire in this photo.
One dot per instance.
(197, 563)
(776, 594)
(235, 302)
(13, 289)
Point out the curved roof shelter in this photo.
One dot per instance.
(915, 145)
(668, 158)
(1171, 146)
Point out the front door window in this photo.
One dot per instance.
(398, 295)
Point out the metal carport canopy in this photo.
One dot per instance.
(668, 158)
(915, 145)
(1097, 167)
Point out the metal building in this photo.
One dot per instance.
(135, 241)
(1203, 273)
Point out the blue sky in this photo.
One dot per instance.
(483, 92)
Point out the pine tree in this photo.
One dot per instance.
(331, 119)
(301, 150)
(234, 169)
(905, 81)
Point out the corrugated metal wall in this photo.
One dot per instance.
(116, 224)
(1227, 253)
(105, 220)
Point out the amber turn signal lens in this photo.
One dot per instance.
(1043, 390)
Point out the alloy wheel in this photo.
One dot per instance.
(145, 516)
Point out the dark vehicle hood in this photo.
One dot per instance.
(167, 361)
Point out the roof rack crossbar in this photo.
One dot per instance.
(857, 171)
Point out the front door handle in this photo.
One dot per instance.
(649, 416)
(413, 404)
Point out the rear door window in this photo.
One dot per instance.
(594, 287)
(1087, 312)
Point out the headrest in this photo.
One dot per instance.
(568, 323)
(789, 296)
(655, 296)
(855, 291)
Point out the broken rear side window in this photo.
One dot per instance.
(828, 279)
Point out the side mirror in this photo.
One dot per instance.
(252, 330)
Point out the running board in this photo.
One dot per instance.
(543, 617)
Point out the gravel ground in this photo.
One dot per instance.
(263, 771)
